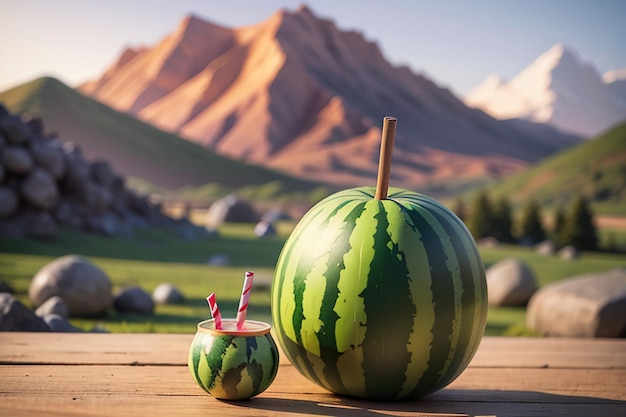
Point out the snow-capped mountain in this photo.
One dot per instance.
(558, 88)
(615, 82)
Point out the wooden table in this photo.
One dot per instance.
(54, 374)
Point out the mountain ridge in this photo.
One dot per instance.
(299, 95)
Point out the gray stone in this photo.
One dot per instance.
(591, 305)
(264, 229)
(50, 156)
(219, 259)
(166, 293)
(68, 214)
(510, 282)
(18, 160)
(16, 317)
(84, 287)
(230, 209)
(133, 300)
(57, 323)
(102, 174)
(545, 248)
(40, 190)
(9, 202)
(568, 253)
(14, 130)
(53, 305)
(38, 224)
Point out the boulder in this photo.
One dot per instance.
(230, 209)
(133, 300)
(510, 282)
(545, 248)
(38, 224)
(14, 130)
(84, 287)
(17, 160)
(57, 323)
(53, 305)
(16, 317)
(568, 253)
(219, 259)
(166, 293)
(591, 305)
(40, 189)
(264, 229)
(50, 156)
(102, 173)
(9, 202)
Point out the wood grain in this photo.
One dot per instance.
(141, 375)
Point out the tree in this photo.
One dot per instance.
(579, 229)
(530, 227)
(480, 218)
(502, 220)
(558, 226)
(459, 209)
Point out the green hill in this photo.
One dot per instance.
(596, 168)
(134, 148)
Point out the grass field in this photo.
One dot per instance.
(156, 256)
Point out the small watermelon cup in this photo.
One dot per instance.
(233, 364)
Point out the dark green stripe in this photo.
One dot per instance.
(443, 295)
(389, 317)
(328, 316)
(196, 357)
(232, 378)
(215, 357)
(255, 369)
(468, 293)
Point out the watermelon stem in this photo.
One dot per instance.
(384, 163)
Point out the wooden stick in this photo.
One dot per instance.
(384, 163)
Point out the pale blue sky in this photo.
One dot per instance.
(455, 43)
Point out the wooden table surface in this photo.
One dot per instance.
(69, 374)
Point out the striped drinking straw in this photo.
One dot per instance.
(245, 298)
(215, 311)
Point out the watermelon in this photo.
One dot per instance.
(231, 364)
(379, 299)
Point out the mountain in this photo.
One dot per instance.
(558, 89)
(298, 94)
(595, 168)
(133, 147)
(615, 82)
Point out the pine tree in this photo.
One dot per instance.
(558, 226)
(530, 227)
(480, 218)
(459, 209)
(579, 229)
(502, 220)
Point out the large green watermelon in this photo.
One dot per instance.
(379, 299)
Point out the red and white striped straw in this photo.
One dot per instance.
(215, 311)
(245, 298)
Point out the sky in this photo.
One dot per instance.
(456, 44)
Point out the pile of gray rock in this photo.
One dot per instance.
(45, 185)
(592, 305)
(72, 286)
